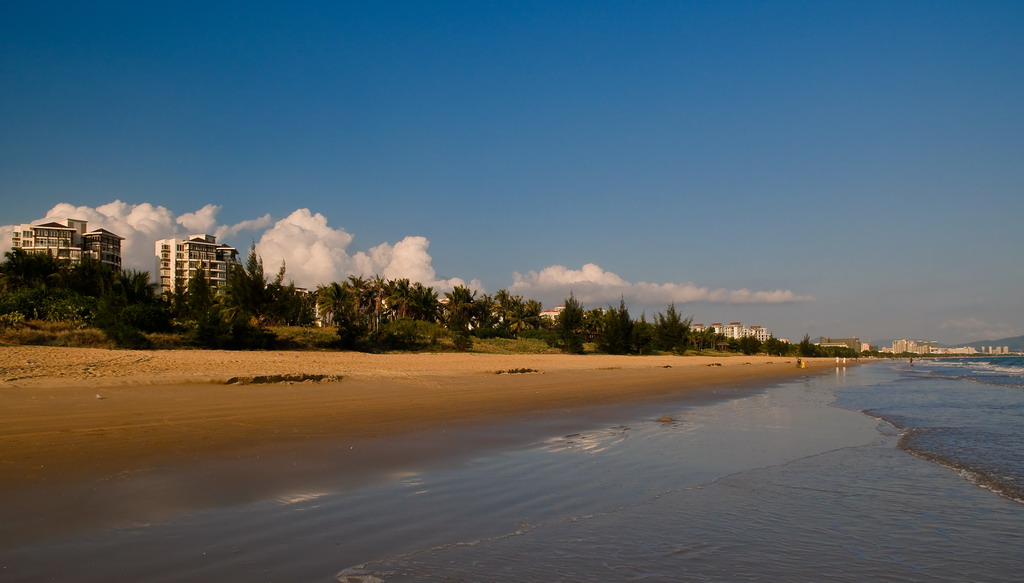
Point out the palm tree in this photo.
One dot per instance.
(424, 305)
(458, 315)
(341, 304)
(400, 298)
(532, 310)
(706, 338)
(23, 269)
(379, 289)
(136, 286)
(89, 277)
(359, 289)
(503, 305)
(331, 299)
(594, 323)
(460, 298)
(483, 313)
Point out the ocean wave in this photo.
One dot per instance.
(1002, 371)
(972, 453)
(894, 420)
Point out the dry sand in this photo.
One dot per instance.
(73, 418)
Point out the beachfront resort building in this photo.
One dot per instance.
(552, 314)
(735, 330)
(853, 344)
(179, 260)
(69, 242)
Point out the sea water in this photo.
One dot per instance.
(880, 472)
(931, 493)
(966, 414)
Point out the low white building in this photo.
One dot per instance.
(735, 330)
(759, 332)
(552, 314)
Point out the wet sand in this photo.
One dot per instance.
(92, 438)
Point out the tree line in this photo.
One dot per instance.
(368, 314)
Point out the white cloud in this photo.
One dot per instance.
(316, 253)
(593, 285)
(203, 220)
(312, 251)
(227, 232)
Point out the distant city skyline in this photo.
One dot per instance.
(904, 346)
(832, 169)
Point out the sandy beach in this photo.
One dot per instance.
(94, 410)
(75, 418)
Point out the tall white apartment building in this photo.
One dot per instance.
(178, 261)
(69, 242)
(914, 346)
(903, 345)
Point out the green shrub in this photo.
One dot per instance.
(43, 333)
(518, 346)
(305, 337)
(407, 334)
(125, 336)
(147, 317)
(550, 337)
(12, 320)
(215, 330)
(352, 331)
(54, 305)
(68, 306)
(492, 332)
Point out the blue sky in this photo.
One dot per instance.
(828, 168)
